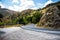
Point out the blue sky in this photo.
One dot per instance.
(19, 5)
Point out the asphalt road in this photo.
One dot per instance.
(29, 32)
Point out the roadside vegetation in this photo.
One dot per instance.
(48, 16)
(20, 18)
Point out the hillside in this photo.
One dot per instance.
(48, 17)
(9, 17)
(51, 16)
(6, 12)
(6, 16)
(49, 6)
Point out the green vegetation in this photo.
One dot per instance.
(1, 16)
(36, 17)
(24, 17)
(9, 17)
(32, 18)
(50, 18)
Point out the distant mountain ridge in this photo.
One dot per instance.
(6, 12)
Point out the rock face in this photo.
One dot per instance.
(51, 18)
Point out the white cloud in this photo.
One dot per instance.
(2, 6)
(39, 5)
(24, 4)
(34, 8)
(14, 7)
(15, 1)
(17, 8)
(27, 3)
(11, 8)
(48, 2)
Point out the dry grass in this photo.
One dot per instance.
(8, 26)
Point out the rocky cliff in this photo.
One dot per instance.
(51, 18)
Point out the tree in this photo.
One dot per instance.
(36, 17)
(1, 16)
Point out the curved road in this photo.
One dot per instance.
(29, 32)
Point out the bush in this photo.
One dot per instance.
(36, 17)
(1, 23)
(1, 16)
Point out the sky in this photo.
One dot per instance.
(20, 5)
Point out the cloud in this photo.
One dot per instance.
(17, 8)
(2, 6)
(24, 4)
(11, 8)
(48, 2)
(27, 3)
(14, 7)
(20, 5)
(40, 5)
(15, 1)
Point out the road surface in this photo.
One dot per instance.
(29, 32)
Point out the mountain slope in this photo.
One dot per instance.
(6, 12)
(49, 6)
(51, 16)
